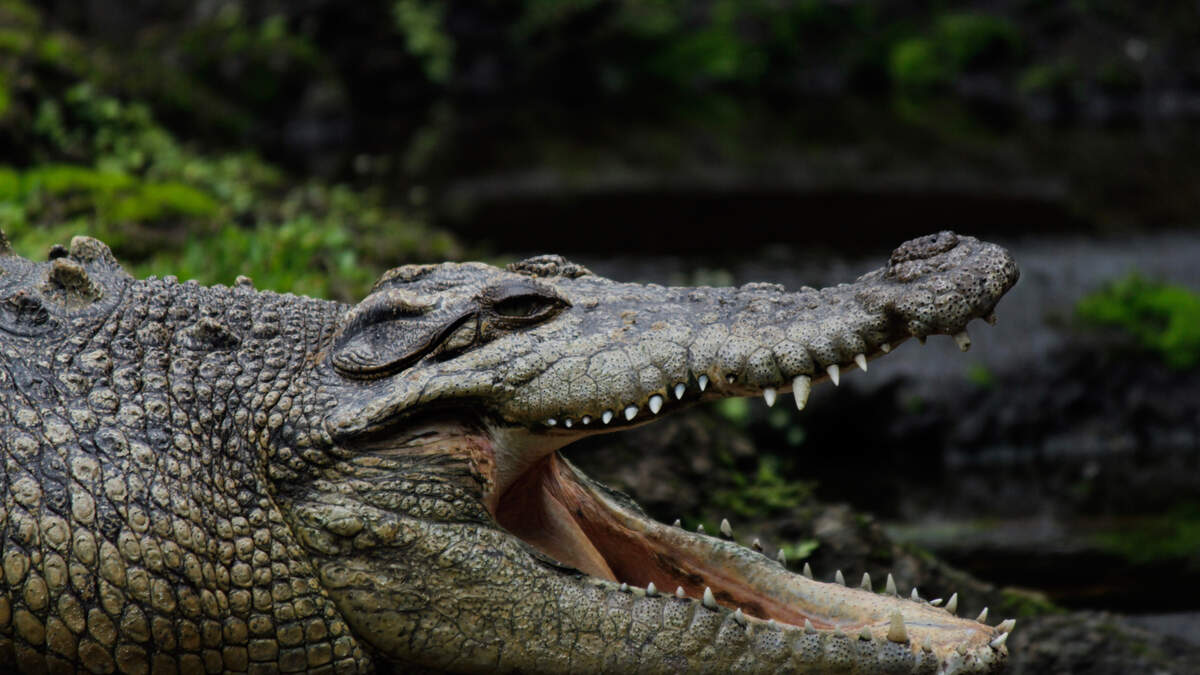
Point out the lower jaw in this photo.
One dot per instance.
(572, 519)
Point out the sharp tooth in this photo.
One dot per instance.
(586, 419)
(679, 389)
(700, 528)
(656, 402)
(834, 372)
(896, 631)
(885, 347)
(936, 602)
(808, 627)
(551, 422)
(800, 388)
(769, 396)
(607, 416)
(771, 623)
(781, 557)
(679, 592)
(650, 589)
(861, 361)
(756, 545)
(999, 642)
(808, 571)
(708, 600)
(864, 634)
(568, 423)
(631, 412)
(677, 523)
(962, 340)
(1006, 625)
(952, 604)
(982, 618)
(739, 617)
(702, 381)
(624, 587)
(731, 378)
(914, 596)
(890, 588)
(961, 649)
(839, 578)
(726, 528)
(866, 582)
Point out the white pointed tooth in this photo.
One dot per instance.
(700, 528)
(962, 340)
(885, 347)
(800, 388)
(656, 402)
(551, 422)
(839, 578)
(568, 423)
(936, 602)
(606, 416)
(864, 634)
(726, 528)
(999, 642)
(651, 589)
(808, 571)
(952, 604)
(678, 523)
(1006, 625)
(679, 389)
(808, 627)
(865, 584)
(739, 617)
(631, 412)
(679, 592)
(771, 623)
(756, 545)
(890, 588)
(702, 381)
(731, 378)
(982, 618)
(834, 373)
(769, 395)
(708, 600)
(896, 631)
(624, 587)
(861, 361)
(914, 596)
(586, 419)
(781, 557)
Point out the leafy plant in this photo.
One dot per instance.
(1163, 318)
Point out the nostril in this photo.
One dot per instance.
(923, 247)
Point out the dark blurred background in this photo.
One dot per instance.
(1055, 467)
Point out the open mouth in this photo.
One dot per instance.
(565, 515)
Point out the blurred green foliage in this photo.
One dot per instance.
(1163, 318)
(1171, 535)
(421, 24)
(765, 491)
(91, 162)
(958, 43)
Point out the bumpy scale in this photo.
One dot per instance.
(221, 479)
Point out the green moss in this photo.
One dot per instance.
(1163, 318)
(764, 492)
(1174, 535)
(971, 40)
(156, 201)
(915, 64)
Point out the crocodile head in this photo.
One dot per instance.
(475, 545)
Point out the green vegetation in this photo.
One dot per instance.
(93, 162)
(764, 492)
(1172, 535)
(979, 375)
(958, 43)
(1163, 318)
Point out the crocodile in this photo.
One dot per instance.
(222, 479)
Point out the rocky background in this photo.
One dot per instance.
(1051, 473)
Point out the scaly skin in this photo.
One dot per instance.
(220, 479)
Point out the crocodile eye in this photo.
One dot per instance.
(524, 306)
